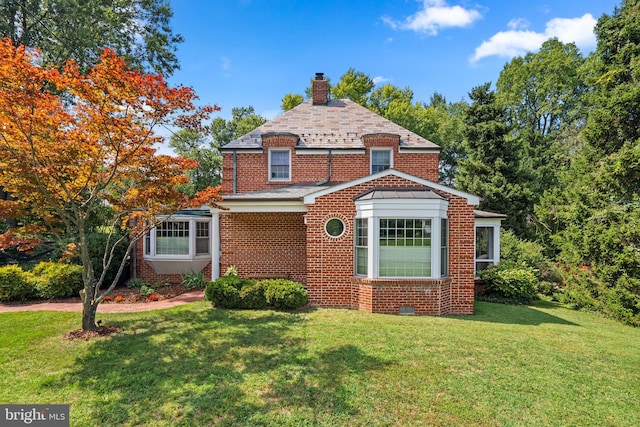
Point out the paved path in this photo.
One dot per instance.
(191, 296)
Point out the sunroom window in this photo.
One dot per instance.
(179, 238)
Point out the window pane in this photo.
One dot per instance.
(362, 256)
(172, 238)
(380, 160)
(202, 238)
(444, 247)
(362, 252)
(405, 248)
(280, 164)
(334, 227)
(484, 243)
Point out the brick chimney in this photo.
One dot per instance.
(320, 90)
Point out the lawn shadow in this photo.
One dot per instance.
(516, 314)
(188, 366)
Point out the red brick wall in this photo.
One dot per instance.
(264, 244)
(461, 255)
(386, 296)
(330, 261)
(253, 169)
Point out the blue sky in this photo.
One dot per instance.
(252, 52)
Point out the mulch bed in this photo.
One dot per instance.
(102, 331)
(124, 295)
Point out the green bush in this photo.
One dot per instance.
(521, 252)
(224, 292)
(252, 295)
(509, 285)
(57, 280)
(546, 288)
(16, 284)
(145, 291)
(193, 280)
(136, 283)
(284, 294)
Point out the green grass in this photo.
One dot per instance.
(193, 365)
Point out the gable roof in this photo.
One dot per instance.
(471, 198)
(339, 124)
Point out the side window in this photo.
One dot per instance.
(279, 165)
(484, 248)
(380, 160)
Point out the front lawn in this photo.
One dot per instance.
(192, 365)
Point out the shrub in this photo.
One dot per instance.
(153, 297)
(521, 252)
(252, 295)
(224, 292)
(284, 294)
(193, 280)
(509, 284)
(16, 284)
(546, 288)
(231, 271)
(145, 291)
(118, 298)
(136, 283)
(57, 280)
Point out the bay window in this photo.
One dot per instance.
(179, 238)
(401, 234)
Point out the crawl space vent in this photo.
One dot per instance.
(407, 310)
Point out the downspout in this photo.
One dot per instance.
(329, 169)
(235, 172)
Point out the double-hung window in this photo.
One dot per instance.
(381, 159)
(362, 246)
(279, 165)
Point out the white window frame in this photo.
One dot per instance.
(376, 209)
(150, 240)
(494, 257)
(280, 150)
(378, 150)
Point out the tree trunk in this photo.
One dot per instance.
(89, 318)
(88, 312)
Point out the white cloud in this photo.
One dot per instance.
(518, 40)
(434, 16)
(380, 79)
(225, 63)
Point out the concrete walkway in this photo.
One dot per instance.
(187, 297)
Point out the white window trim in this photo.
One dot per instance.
(489, 223)
(389, 150)
(150, 252)
(272, 150)
(374, 210)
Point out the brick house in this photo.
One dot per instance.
(336, 197)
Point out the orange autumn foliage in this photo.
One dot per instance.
(71, 142)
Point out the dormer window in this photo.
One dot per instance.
(280, 165)
(381, 159)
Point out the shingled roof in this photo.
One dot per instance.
(338, 124)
